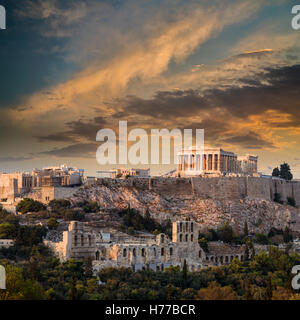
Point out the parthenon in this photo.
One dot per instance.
(215, 160)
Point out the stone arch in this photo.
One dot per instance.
(180, 228)
(162, 251)
(90, 240)
(192, 227)
(180, 238)
(231, 258)
(211, 259)
(186, 238)
(221, 259)
(124, 252)
(143, 252)
(226, 259)
(154, 251)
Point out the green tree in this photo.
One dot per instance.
(246, 231)
(184, 272)
(203, 244)
(30, 205)
(269, 288)
(88, 267)
(52, 223)
(261, 238)
(225, 233)
(276, 172)
(291, 201)
(248, 292)
(285, 172)
(277, 198)
(287, 235)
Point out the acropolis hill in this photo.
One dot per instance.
(207, 200)
(228, 189)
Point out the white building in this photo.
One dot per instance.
(124, 173)
(6, 243)
(194, 162)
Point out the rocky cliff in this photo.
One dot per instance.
(177, 199)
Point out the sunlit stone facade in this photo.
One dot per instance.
(214, 161)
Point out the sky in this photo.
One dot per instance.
(71, 68)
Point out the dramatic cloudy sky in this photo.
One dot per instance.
(70, 68)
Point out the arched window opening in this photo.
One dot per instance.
(97, 255)
(75, 241)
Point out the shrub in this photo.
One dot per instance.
(70, 215)
(57, 205)
(291, 201)
(261, 239)
(30, 205)
(52, 223)
(277, 198)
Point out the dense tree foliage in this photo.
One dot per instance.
(284, 172)
(34, 273)
(30, 205)
(133, 220)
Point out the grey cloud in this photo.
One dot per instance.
(276, 88)
(79, 150)
(251, 140)
(14, 159)
(77, 129)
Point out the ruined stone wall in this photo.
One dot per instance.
(8, 187)
(259, 188)
(173, 187)
(46, 194)
(221, 188)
